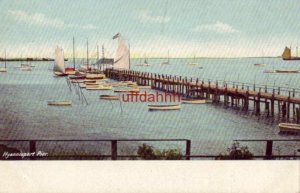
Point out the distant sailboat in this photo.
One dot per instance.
(59, 63)
(287, 55)
(122, 60)
(146, 62)
(4, 69)
(167, 62)
(194, 63)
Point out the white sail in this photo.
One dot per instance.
(59, 64)
(122, 56)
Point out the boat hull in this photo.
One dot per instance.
(163, 107)
(289, 128)
(59, 74)
(109, 97)
(3, 70)
(193, 101)
(287, 71)
(293, 58)
(59, 103)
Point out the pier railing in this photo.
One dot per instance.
(32, 146)
(269, 148)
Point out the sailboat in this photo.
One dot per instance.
(167, 62)
(4, 69)
(146, 62)
(287, 55)
(122, 60)
(194, 63)
(59, 63)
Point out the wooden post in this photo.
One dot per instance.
(269, 149)
(114, 149)
(32, 149)
(258, 104)
(188, 150)
(298, 115)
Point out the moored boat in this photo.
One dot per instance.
(59, 64)
(98, 87)
(60, 103)
(164, 107)
(128, 90)
(109, 97)
(287, 71)
(193, 101)
(269, 71)
(259, 64)
(95, 76)
(287, 54)
(3, 70)
(289, 127)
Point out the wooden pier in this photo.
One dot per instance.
(230, 93)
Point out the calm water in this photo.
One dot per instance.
(25, 114)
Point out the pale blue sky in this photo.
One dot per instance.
(205, 28)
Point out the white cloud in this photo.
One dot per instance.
(218, 27)
(144, 16)
(43, 20)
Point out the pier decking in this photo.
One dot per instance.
(286, 99)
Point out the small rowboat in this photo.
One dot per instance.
(77, 81)
(77, 77)
(193, 101)
(95, 76)
(60, 103)
(131, 90)
(59, 74)
(289, 127)
(109, 97)
(82, 85)
(70, 72)
(270, 71)
(132, 84)
(99, 87)
(164, 107)
(3, 70)
(287, 71)
(258, 64)
(90, 81)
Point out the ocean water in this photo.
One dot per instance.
(211, 128)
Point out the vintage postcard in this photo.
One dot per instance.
(149, 80)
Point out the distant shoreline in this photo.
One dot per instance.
(28, 59)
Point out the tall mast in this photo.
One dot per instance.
(97, 52)
(73, 52)
(168, 56)
(103, 51)
(129, 54)
(297, 51)
(87, 53)
(5, 59)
